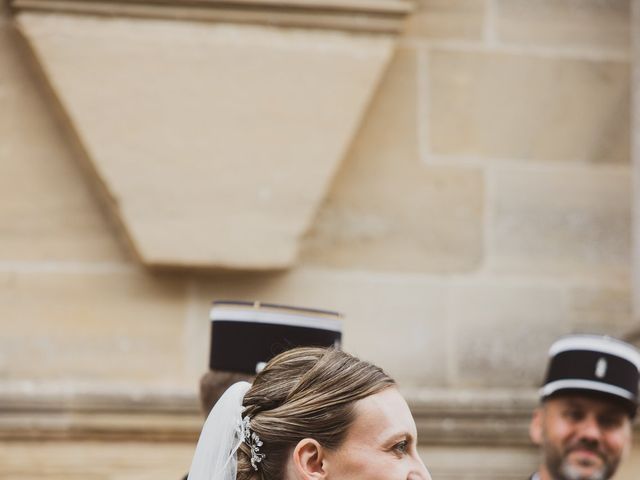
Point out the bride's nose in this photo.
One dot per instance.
(420, 471)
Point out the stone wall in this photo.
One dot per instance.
(482, 209)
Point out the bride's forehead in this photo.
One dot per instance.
(385, 412)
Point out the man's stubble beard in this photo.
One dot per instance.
(559, 468)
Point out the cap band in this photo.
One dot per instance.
(575, 384)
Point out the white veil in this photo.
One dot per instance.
(215, 455)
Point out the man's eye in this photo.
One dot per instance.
(401, 447)
(610, 421)
(575, 415)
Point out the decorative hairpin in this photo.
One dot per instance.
(252, 440)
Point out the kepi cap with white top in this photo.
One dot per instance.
(594, 364)
(246, 335)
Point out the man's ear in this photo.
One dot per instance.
(308, 460)
(535, 427)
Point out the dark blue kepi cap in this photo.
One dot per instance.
(594, 364)
(246, 335)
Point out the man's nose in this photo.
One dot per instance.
(590, 429)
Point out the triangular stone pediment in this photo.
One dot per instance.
(215, 143)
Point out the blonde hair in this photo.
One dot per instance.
(304, 393)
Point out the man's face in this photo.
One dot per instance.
(582, 438)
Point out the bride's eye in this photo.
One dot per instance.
(401, 447)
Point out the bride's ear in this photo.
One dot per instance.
(309, 460)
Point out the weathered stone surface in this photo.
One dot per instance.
(557, 261)
(95, 327)
(386, 209)
(47, 212)
(571, 221)
(630, 468)
(462, 463)
(395, 321)
(582, 24)
(502, 332)
(235, 131)
(346, 15)
(523, 107)
(635, 141)
(94, 460)
(605, 310)
(447, 19)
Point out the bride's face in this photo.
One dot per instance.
(381, 444)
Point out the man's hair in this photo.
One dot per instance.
(304, 393)
(214, 383)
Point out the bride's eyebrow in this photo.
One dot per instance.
(397, 436)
